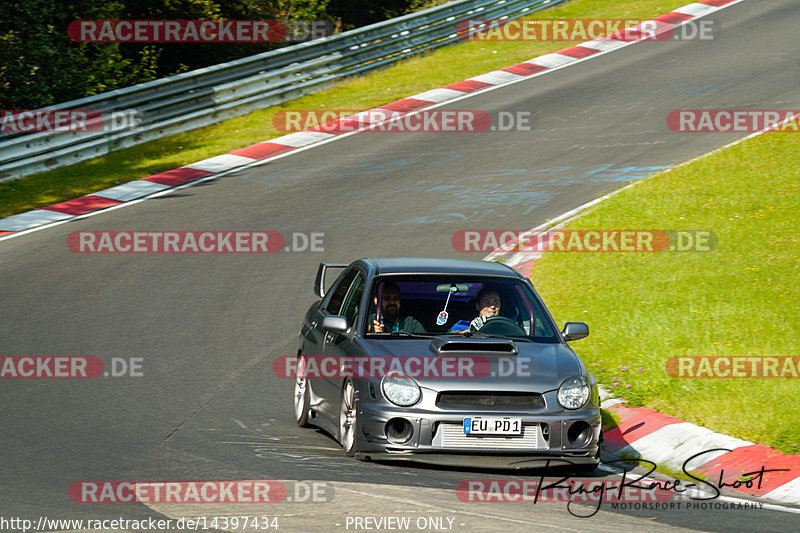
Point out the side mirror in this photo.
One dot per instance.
(574, 331)
(335, 324)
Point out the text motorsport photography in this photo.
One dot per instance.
(632, 491)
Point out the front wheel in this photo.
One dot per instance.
(348, 418)
(301, 398)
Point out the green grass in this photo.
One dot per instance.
(741, 299)
(445, 66)
(610, 419)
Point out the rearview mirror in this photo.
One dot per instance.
(574, 331)
(452, 287)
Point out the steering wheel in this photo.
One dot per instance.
(501, 325)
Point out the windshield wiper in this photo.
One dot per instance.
(401, 334)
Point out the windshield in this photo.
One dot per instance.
(456, 305)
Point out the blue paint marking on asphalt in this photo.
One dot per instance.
(490, 195)
(364, 166)
(474, 198)
(603, 173)
(696, 87)
(468, 201)
(607, 173)
(447, 218)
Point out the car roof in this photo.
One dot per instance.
(436, 265)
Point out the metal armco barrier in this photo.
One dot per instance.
(205, 96)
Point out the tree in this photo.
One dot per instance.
(357, 13)
(40, 65)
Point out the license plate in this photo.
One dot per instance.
(484, 425)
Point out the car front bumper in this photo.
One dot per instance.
(436, 437)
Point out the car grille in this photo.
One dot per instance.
(499, 401)
(452, 436)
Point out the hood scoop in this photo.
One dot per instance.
(471, 346)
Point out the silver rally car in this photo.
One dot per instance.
(461, 364)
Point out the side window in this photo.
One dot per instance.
(539, 330)
(338, 292)
(350, 308)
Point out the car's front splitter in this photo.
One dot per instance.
(490, 461)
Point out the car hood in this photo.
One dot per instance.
(535, 367)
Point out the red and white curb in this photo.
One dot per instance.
(676, 444)
(214, 167)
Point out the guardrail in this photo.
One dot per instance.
(213, 94)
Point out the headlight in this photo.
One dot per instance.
(400, 390)
(574, 393)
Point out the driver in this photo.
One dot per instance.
(391, 320)
(487, 304)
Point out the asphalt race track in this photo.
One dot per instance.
(207, 327)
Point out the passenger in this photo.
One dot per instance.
(390, 319)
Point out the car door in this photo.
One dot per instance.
(322, 387)
(337, 345)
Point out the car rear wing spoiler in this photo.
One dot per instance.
(319, 283)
